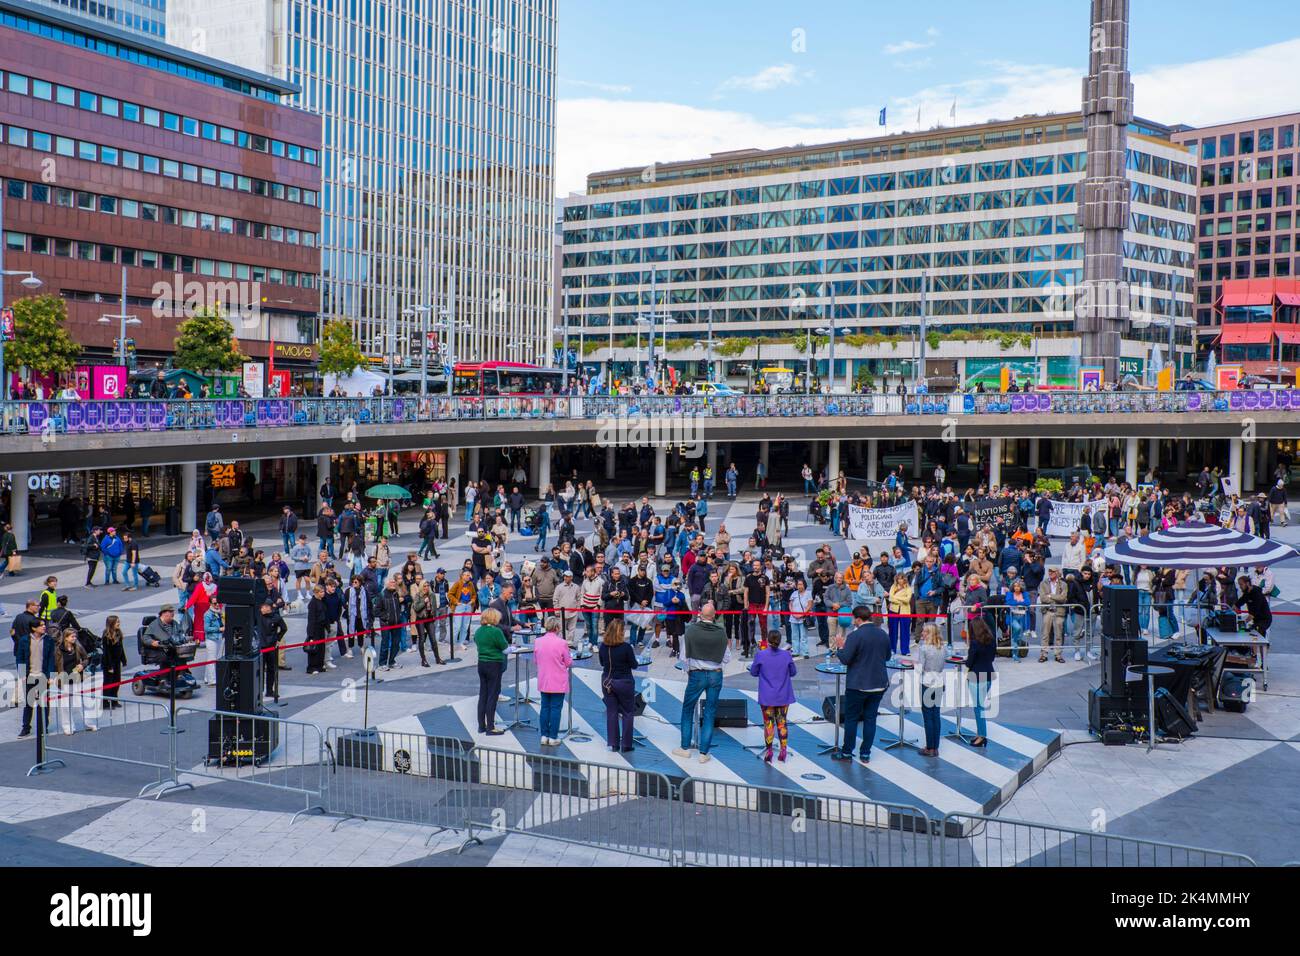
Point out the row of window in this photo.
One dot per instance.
(1260, 222)
(1243, 201)
(22, 85)
(1245, 143)
(903, 262)
(1248, 170)
(125, 51)
(154, 212)
(1259, 269)
(965, 141)
(952, 174)
(154, 165)
(911, 308)
(147, 259)
(1259, 246)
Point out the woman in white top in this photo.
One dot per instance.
(471, 492)
(1143, 584)
(929, 657)
(800, 622)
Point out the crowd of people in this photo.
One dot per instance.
(621, 579)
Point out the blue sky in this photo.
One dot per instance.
(644, 82)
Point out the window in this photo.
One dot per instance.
(131, 113)
(88, 101)
(65, 95)
(87, 151)
(130, 160)
(171, 121)
(108, 106)
(18, 84)
(42, 90)
(152, 117)
(64, 146)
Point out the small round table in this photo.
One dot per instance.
(519, 652)
(839, 670)
(960, 663)
(1150, 672)
(902, 665)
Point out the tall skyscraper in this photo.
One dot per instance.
(147, 17)
(438, 163)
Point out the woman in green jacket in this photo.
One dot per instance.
(491, 642)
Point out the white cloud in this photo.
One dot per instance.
(598, 134)
(905, 46)
(771, 78)
(598, 87)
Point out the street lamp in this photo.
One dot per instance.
(424, 311)
(124, 320)
(30, 282)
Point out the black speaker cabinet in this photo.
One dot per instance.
(241, 592)
(1106, 712)
(1119, 612)
(243, 630)
(241, 741)
(731, 712)
(1172, 718)
(828, 708)
(239, 684)
(1117, 655)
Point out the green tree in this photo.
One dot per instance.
(339, 352)
(205, 342)
(41, 343)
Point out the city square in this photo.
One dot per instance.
(431, 439)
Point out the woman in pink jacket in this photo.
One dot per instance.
(551, 653)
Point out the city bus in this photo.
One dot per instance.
(480, 379)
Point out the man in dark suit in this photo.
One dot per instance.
(34, 655)
(509, 626)
(864, 651)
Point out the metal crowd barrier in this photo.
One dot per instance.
(293, 764)
(397, 777)
(572, 801)
(59, 416)
(975, 840)
(736, 824)
(129, 732)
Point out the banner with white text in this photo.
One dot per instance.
(876, 523)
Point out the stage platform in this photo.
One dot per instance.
(961, 779)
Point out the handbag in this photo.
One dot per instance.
(14, 564)
(607, 678)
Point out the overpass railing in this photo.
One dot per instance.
(73, 417)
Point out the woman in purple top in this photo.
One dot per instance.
(774, 667)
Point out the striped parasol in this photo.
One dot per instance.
(1196, 544)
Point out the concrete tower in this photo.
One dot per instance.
(1102, 309)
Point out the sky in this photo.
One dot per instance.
(645, 82)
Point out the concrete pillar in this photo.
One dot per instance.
(1153, 453)
(611, 463)
(453, 465)
(322, 471)
(534, 468)
(1033, 453)
(543, 454)
(661, 471)
(473, 469)
(1263, 468)
(19, 508)
(1234, 461)
(1249, 450)
(995, 462)
(189, 497)
(832, 460)
(814, 454)
(1131, 461)
(855, 454)
(954, 454)
(916, 458)
(873, 458)
(1180, 450)
(764, 455)
(711, 458)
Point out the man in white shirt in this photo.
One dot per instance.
(1073, 555)
(566, 600)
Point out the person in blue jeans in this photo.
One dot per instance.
(931, 654)
(864, 651)
(111, 548)
(979, 675)
(704, 652)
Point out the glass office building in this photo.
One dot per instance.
(762, 243)
(147, 17)
(438, 158)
